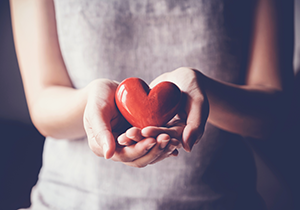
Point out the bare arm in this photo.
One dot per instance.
(59, 110)
(258, 107)
(56, 108)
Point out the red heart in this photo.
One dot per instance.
(142, 106)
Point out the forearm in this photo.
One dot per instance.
(246, 110)
(258, 107)
(58, 111)
(55, 107)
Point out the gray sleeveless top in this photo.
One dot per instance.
(117, 39)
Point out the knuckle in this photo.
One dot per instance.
(198, 97)
(124, 159)
(187, 71)
(169, 149)
(183, 69)
(140, 165)
(135, 165)
(157, 155)
(175, 142)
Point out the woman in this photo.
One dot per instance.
(72, 54)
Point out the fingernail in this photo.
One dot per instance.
(130, 137)
(105, 149)
(191, 146)
(171, 148)
(150, 146)
(164, 143)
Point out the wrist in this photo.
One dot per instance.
(93, 89)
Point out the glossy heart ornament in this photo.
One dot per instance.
(142, 106)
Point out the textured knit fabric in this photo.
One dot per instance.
(117, 39)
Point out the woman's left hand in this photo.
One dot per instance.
(188, 126)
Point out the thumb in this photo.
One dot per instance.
(197, 110)
(104, 136)
(98, 128)
(106, 140)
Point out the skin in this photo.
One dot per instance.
(60, 111)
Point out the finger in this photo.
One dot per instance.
(197, 113)
(101, 131)
(95, 147)
(135, 151)
(153, 154)
(104, 137)
(170, 150)
(163, 140)
(166, 155)
(175, 153)
(134, 134)
(152, 131)
(124, 140)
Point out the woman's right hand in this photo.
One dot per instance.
(101, 116)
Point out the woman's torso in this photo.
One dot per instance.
(117, 39)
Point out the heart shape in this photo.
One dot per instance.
(142, 106)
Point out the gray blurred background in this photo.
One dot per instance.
(21, 144)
